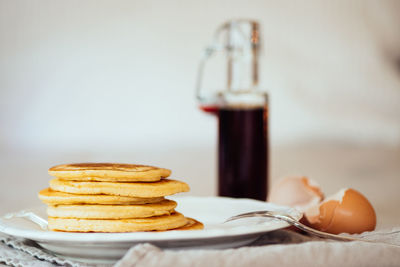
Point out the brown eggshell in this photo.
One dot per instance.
(352, 214)
(323, 218)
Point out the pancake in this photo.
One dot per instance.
(192, 224)
(109, 172)
(51, 197)
(158, 223)
(165, 207)
(161, 188)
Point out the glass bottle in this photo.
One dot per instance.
(241, 108)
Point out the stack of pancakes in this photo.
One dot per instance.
(108, 197)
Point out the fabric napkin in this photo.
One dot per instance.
(277, 248)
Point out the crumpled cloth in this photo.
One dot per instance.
(278, 248)
(22, 252)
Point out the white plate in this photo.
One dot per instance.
(109, 247)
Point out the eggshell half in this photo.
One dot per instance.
(348, 211)
(296, 191)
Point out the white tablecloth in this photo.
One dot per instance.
(279, 248)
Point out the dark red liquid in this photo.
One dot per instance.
(210, 109)
(243, 152)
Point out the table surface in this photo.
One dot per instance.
(374, 171)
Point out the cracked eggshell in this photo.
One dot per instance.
(298, 192)
(348, 211)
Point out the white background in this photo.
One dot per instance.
(121, 74)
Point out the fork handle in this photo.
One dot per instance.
(313, 231)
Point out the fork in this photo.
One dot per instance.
(292, 221)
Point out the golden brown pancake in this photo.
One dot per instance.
(164, 207)
(109, 172)
(161, 188)
(158, 223)
(51, 197)
(192, 224)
